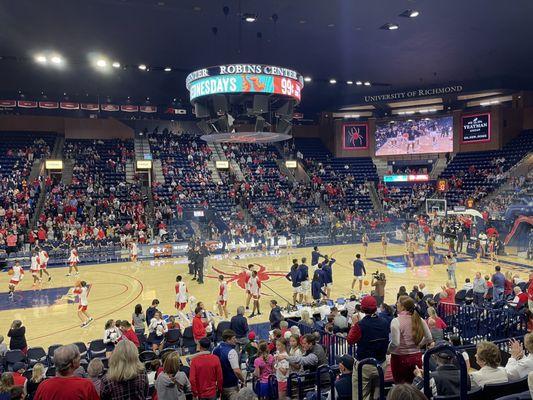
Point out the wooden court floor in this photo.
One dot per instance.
(50, 316)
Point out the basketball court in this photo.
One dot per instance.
(50, 316)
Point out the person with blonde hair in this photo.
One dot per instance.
(126, 377)
(409, 333)
(172, 384)
(37, 376)
(488, 357)
(519, 365)
(306, 319)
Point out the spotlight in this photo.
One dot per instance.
(101, 63)
(349, 82)
(168, 69)
(41, 59)
(358, 83)
(390, 27)
(333, 81)
(308, 79)
(249, 17)
(367, 83)
(410, 14)
(56, 59)
(116, 64)
(142, 67)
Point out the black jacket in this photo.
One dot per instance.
(18, 338)
(275, 317)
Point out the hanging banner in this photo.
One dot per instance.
(110, 107)
(148, 109)
(48, 104)
(89, 106)
(65, 105)
(355, 136)
(476, 128)
(8, 103)
(129, 108)
(27, 104)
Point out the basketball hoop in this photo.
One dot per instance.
(245, 137)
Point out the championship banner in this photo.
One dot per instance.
(89, 106)
(27, 104)
(69, 106)
(129, 108)
(48, 104)
(475, 128)
(110, 107)
(148, 109)
(8, 103)
(355, 136)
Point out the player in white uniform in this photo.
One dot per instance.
(182, 293)
(255, 291)
(73, 261)
(82, 291)
(43, 264)
(134, 251)
(247, 285)
(222, 297)
(34, 268)
(16, 277)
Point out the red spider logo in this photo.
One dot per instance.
(240, 277)
(354, 136)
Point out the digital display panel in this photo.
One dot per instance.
(414, 136)
(475, 128)
(406, 178)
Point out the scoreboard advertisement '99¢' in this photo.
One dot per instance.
(245, 83)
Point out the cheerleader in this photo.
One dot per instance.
(222, 297)
(73, 261)
(157, 329)
(411, 254)
(34, 268)
(384, 243)
(182, 294)
(82, 291)
(364, 240)
(255, 291)
(134, 251)
(247, 285)
(492, 249)
(17, 273)
(112, 335)
(43, 264)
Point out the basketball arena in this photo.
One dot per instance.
(245, 199)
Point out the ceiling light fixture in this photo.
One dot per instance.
(41, 59)
(333, 81)
(367, 83)
(168, 69)
(410, 14)
(308, 79)
(390, 27)
(249, 17)
(358, 83)
(101, 63)
(142, 67)
(56, 59)
(349, 82)
(116, 64)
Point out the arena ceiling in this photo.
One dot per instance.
(485, 42)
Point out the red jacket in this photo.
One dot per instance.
(205, 376)
(530, 290)
(132, 337)
(198, 328)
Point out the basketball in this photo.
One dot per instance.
(365, 283)
(10, 272)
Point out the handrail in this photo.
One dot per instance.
(463, 372)
(374, 362)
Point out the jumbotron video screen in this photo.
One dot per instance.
(414, 136)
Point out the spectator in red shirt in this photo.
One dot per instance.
(18, 371)
(129, 333)
(448, 294)
(520, 298)
(206, 372)
(530, 291)
(198, 326)
(66, 386)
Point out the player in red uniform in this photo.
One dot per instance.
(222, 297)
(82, 291)
(181, 293)
(17, 273)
